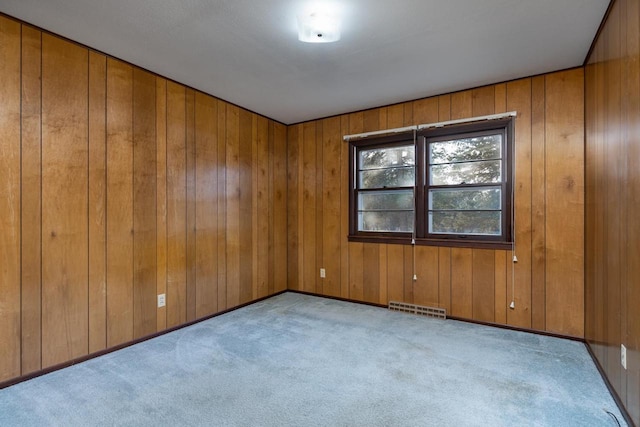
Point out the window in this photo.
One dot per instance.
(447, 186)
(384, 190)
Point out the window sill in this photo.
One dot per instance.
(452, 243)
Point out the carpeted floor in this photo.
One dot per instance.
(296, 360)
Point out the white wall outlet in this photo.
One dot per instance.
(323, 273)
(623, 356)
(162, 301)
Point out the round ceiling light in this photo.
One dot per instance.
(318, 28)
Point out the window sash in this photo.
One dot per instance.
(469, 229)
(422, 211)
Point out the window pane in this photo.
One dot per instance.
(386, 200)
(466, 173)
(386, 221)
(465, 222)
(383, 178)
(466, 149)
(387, 157)
(465, 199)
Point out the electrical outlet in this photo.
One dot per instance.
(623, 356)
(162, 300)
(323, 273)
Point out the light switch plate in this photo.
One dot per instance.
(162, 300)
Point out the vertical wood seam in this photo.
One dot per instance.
(41, 79)
(20, 186)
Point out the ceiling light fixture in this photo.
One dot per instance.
(318, 28)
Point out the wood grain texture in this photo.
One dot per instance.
(222, 206)
(469, 284)
(319, 205)
(161, 198)
(262, 212)
(371, 272)
(631, 287)
(114, 191)
(206, 185)
(64, 201)
(31, 198)
(395, 273)
(484, 283)
(444, 278)
(176, 205)
(538, 197)
(564, 153)
(293, 208)
(332, 164)
(144, 204)
(612, 182)
(425, 288)
(280, 254)
(308, 213)
(462, 283)
(97, 202)
(245, 205)
(344, 210)
(10, 310)
(500, 286)
(190, 165)
(233, 205)
(519, 99)
(119, 202)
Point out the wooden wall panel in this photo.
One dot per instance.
(612, 182)
(484, 283)
(631, 236)
(233, 205)
(245, 206)
(117, 186)
(279, 161)
(190, 165)
(176, 205)
(462, 283)
(262, 192)
(31, 197)
(293, 208)
(10, 310)
(97, 202)
(161, 198)
(206, 133)
(64, 200)
(395, 273)
(564, 159)
(222, 205)
(538, 197)
(119, 202)
(476, 284)
(519, 99)
(332, 164)
(425, 287)
(501, 264)
(308, 213)
(144, 204)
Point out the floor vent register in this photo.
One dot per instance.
(439, 313)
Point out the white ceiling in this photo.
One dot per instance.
(246, 51)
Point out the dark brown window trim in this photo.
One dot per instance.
(449, 243)
(422, 237)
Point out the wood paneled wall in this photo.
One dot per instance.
(470, 283)
(612, 79)
(117, 185)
